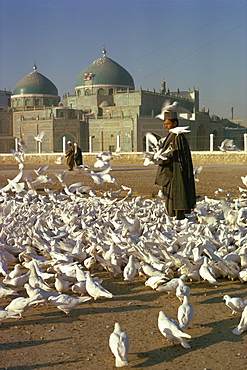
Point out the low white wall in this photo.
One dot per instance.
(235, 158)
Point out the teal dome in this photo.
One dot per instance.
(35, 83)
(104, 71)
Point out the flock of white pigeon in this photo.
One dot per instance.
(52, 244)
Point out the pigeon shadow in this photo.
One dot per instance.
(57, 316)
(40, 366)
(151, 358)
(30, 343)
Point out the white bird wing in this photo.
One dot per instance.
(197, 171)
(242, 326)
(185, 315)
(19, 156)
(170, 329)
(59, 160)
(108, 178)
(75, 186)
(95, 290)
(119, 345)
(42, 169)
(62, 177)
(206, 275)
(151, 139)
(179, 130)
(127, 189)
(97, 179)
(40, 136)
(244, 180)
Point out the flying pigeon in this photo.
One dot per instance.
(179, 130)
(228, 146)
(40, 136)
(174, 107)
(197, 171)
(59, 160)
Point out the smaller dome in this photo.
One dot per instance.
(104, 104)
(215, 118)
(35, 83)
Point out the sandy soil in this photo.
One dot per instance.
(47, 339)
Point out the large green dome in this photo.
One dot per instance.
(104, 71)
(35, 83)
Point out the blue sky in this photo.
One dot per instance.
(188, 43)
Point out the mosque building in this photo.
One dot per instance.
(104, 113)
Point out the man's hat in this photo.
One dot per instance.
(170, 115)
(69, 142)
(75, 143)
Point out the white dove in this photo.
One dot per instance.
(244, 180)
(155, 281)
(119, 345)
(19, 156)
(95, 290)
(182, 290)
(6, 292)
(61, 285)
(228, 146)
(152, 140)
(117, 152)
(236, 304)
(174, 107)
(40, 136)
(59, 160)
(16, 271)
(66, 303)
(179, 130)
(170, 329)
(41, 170)
(21, 304)
(185, 313)
(197, 171)
(171, 286)
(39, 293)
(126, 188)
(4, 315)
(17, 282)
(79, 287)
(72, 188)
(206, 272)
(130, 269)
(61, 176)
(242, 326)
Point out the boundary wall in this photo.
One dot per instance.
(199, 158)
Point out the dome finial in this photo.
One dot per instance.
(35, 66)
(104, 51)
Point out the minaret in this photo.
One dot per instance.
(163, 87)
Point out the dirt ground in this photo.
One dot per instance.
(47, 339)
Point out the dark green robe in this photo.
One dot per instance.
(78, 156)
(177, 177)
